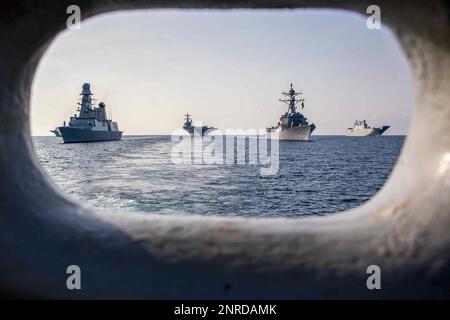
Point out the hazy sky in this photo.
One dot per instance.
(227, 69)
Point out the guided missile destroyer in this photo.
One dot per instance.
(361, 129)
(91, 124)
(189, 127)
(292, 125)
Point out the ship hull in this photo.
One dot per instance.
(300, 133)
(195, 131)
(73, 135)
(366, 132)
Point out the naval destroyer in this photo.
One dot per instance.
(361, 129)
(292, 125)
(91, 124)
(189, 127)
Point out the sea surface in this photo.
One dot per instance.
(323, 176)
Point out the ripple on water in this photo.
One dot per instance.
(330, 174)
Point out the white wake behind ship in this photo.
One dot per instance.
(292, 125)
(361, 129)
(91, 124)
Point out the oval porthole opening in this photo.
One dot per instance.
(229, 69)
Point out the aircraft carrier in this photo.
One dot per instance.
(189, 127)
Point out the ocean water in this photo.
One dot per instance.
(323, 176)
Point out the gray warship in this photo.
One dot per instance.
(361, 129)
(189, 127)
(292, 125)
(91, 124)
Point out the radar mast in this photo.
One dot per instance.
(292, 101)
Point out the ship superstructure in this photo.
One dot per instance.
(292, 125)
(362, 129)
(91, 124)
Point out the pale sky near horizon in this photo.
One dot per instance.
(227, 69)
